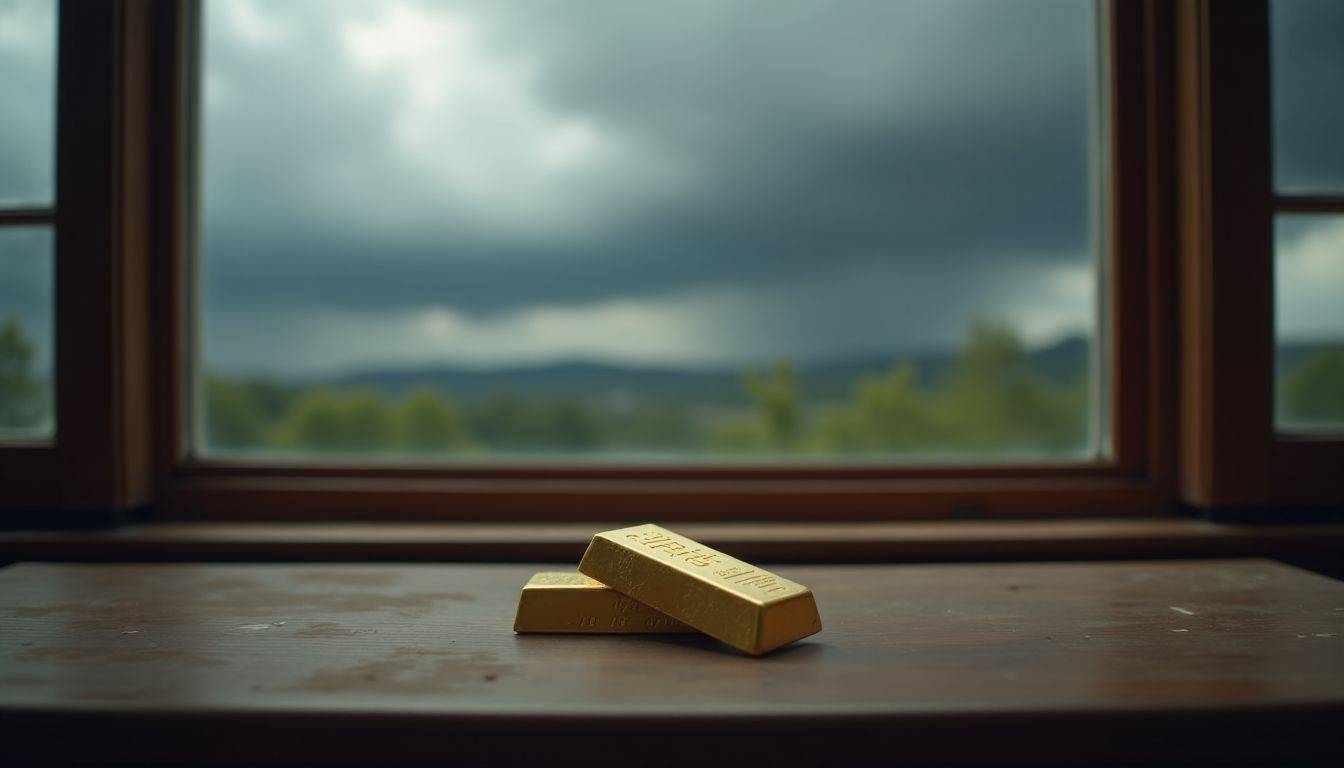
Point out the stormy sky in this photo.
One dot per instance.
(694, 182)
(700, 182)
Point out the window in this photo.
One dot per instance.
(1309, 294)
(1259, 204)
(707, 232)
(1308, 67)
(74, 257)
(27, 216)
(173, 240)
(1046, 209)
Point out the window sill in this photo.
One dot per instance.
(942, 541)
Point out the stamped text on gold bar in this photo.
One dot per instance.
(572, 602)
(744, 606)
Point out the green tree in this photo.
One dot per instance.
(570, 426)
(429, 422)
(271, 398)
(777, 423)
(1314, 391)
(655, 425)
(21, 401)
(233, 418)
(332, 421)
(993, 403)
(990, 402)
(505, 421)
(887, 414)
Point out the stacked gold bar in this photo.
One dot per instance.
(572, 602)
(668, 575)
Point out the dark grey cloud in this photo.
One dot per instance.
(815, 137)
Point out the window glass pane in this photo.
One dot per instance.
(1307, 49)
(27, 102)
(26, 328)
(711, 229)
(1309, 317)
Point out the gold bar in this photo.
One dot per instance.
(572, 602)
(746, 607)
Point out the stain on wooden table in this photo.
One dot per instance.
(1060, 663)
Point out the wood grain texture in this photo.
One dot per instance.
(102, 244)
(1046, 663)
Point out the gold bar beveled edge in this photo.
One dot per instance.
(758, 606)
(615, 550)
(588, 581)
(753, 608)
(587, 587)
(731, 588)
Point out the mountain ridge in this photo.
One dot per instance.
(1058, 363)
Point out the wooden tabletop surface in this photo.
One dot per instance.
(1063, 663)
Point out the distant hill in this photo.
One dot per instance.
(1059, 364)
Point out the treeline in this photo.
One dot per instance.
(250, 415)
(990, 403)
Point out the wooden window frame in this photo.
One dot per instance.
(1190, 315)
(1138, 478)
(122, 271)
(99, 458)
(1231, 455)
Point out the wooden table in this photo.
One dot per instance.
(1041, 663)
